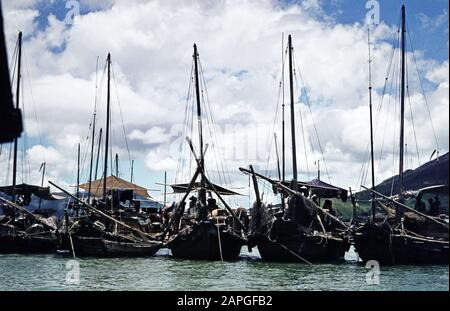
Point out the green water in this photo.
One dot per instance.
(49, 272)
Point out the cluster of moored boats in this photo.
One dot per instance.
(202, 225)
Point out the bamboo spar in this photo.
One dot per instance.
(101, 213)
(407, 207)
(296, 193)
(24, 210)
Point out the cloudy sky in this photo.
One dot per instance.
(240, 47)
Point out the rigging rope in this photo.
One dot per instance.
(411, 114)
(422, 88)
(302, 126)
(314, 123)
(366, 159)
(121, 115)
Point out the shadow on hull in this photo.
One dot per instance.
(376, 242)
(101, 247)
(204, 241)
(316, 248)
(26, 244)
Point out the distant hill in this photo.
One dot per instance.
(431, 173)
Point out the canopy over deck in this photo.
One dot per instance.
(27, 190)
(321, 189)
(114, 182)
(183, 188)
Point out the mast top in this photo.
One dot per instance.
(195, 50)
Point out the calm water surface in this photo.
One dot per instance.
(48, 272)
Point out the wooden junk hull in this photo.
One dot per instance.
(300, 248)
(375, 242)
(101, 247)
(201, 242)
(26, 244)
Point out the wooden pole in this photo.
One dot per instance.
(403, 206)
(101, 213)
(372, 161)
(98, 152)
(291, 88)
(400, 211)
(78, 172)
(108, 102)
(19, 64)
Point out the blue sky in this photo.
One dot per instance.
(431, 38)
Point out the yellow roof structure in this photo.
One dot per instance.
(114, 182)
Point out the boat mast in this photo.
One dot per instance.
(78, 173)
(117, 165)
(92, 158)
(278, 157)
(42, 180)
(108, 98)
(283, 140)
(93, 136)
(19, 63)
(132, 170)
(291, 88)
(98, 152)
(402, 112)
(318, 169)
(371, 127)
(165, 188)
(202, 193)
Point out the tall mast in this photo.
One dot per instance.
(318, 169)
(283, 132)
(19, 63)
(42, 180)
(98, 152)
(165, 188)
(132, 170)
(78, 173)
(291, 89)
(278, 157)
(200, 129)
(283, 152)
(402, 110)
(108, 98)
(371, 126)
(93, 135)
(117, 165)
